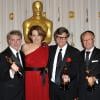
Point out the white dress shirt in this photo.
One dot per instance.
(55, 60)
(12, 72)
(90, 50)
(14, 52)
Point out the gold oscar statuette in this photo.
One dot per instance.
(38, 18)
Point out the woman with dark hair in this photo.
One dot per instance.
(36, 58)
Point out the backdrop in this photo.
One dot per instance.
(76, 15)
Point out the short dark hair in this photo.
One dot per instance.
(60, 31)
(14, 32)
(40, 30)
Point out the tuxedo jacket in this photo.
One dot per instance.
(94, 68)
(74, 55)
(11, 89)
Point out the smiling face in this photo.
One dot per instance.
(88, 40)
(61, 40)
(35, 37)
(61, 36)
(15, 42)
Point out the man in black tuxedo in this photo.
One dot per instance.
(63, 67)
(89, 88)
(11, 69)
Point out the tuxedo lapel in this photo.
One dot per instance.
(22, 58)
(93, 54)
(67, 55)
(10, 55)
(15, 60)
(91, 59)
(83, 55)
(53, 52)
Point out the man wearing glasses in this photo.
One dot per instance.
(63, 67)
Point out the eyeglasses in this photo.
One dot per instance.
(60, 37)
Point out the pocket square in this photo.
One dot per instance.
(94, 61)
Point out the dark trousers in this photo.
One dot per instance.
(57, 93)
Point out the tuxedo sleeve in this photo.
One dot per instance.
(4, 68)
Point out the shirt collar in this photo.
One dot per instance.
(90, 50)
(13, 50)
(63, 48)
